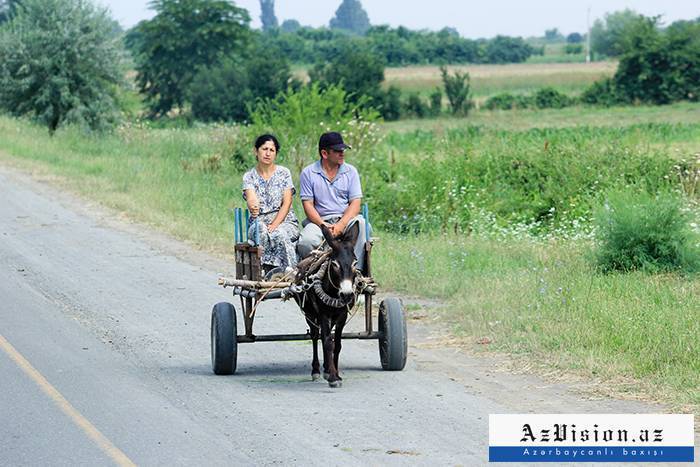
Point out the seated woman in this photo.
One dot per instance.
(268, 190)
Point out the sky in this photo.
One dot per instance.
(473, 19)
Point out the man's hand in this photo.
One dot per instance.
(336, 229)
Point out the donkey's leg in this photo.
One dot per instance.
(337, 341)
(315, 367)
(328, 363)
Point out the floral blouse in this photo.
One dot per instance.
(270, 192)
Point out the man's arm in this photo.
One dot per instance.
(353, 209)
(350, 213)
(311, 212)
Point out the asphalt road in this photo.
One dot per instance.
(104, 358)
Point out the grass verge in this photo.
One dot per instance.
(543, 304)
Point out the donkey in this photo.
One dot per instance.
(328, 301)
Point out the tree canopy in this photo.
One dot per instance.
(354, 68)
(267, 15)
(229, 90)
(660, 67)
(608, 35)
(59, 63)
(184, 36)
(350, 16)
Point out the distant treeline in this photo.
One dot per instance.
(398, 46)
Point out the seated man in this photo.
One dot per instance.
(331, 194)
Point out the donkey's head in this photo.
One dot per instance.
(342, 267)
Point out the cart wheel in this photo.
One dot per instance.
(393, 341)
(224, 347)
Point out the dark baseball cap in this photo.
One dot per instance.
(332, 140)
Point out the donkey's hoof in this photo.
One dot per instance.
(326, 376)
(335, 384)
(315, 376)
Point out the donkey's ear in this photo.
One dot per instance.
(328, 236)
(352, 233)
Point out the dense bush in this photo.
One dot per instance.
(573, 49)
(389, 104)
(656, 66)
(502, 101)
(601, 92)
(415, 107)
(227, 91)
(544, 98)
(436, 102)
(640, 231)
(541, 179)
(660, 67)
(550, 98)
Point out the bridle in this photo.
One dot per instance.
(327, 300)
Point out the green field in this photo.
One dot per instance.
(533, 293)
(488, 80)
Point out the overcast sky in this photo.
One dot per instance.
(472, 19)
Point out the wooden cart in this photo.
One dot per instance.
(249, 285)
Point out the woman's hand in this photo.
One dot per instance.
(253, 202)
(272, 227)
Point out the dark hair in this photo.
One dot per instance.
(262, 139)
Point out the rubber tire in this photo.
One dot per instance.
(224, 345)
(393, 339)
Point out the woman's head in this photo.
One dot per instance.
(266, 148)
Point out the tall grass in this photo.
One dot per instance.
(545, 303)
(544, 178)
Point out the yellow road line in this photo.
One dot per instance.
(93, 433)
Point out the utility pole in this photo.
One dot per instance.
(588, 36)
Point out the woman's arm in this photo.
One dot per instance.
(284, 210)
(253, 204)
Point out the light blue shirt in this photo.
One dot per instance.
(330, 197)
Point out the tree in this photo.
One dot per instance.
(503, 49)
(227, 91)
(184, 36)
(354, 68)
(607, 36)
(553, 35)
(659, 67)
(350, 16)
(574, 38)
(290, 25)
(457, 88)
(267, 15)
(59, 63)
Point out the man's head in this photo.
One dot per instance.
(332, 147)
